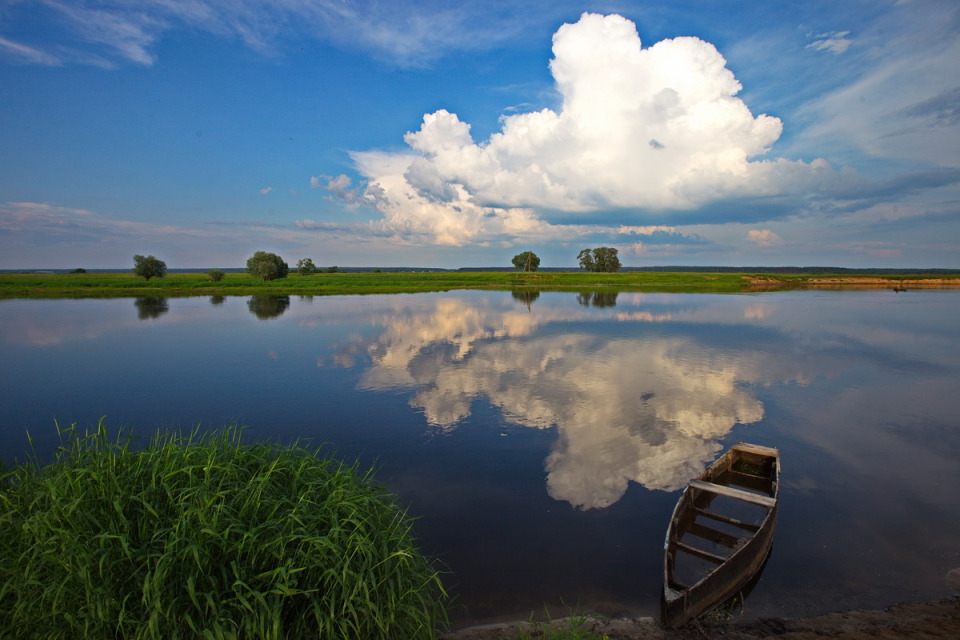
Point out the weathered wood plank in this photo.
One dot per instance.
(713, 535)
(700, 553)
(749, 526)
(770, 452)
(737, 494)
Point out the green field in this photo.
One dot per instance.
(46, 285)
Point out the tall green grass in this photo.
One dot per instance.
(201, 536)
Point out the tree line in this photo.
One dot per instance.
(262, 264)
(270, 266)
(600, 259)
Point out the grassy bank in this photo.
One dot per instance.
(202, 537)
(25, 285)
(179, 284)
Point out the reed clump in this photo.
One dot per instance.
(201, 536)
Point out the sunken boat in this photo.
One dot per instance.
(720, 533)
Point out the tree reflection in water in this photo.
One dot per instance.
(151, 307)
(266, 307)
(526, 296)
(598, 298)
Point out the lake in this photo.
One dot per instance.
(542, 439)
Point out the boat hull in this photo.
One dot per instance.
(749, 547)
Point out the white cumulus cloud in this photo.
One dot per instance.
(656, 128)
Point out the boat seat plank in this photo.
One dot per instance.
(749, 526)
(738, 494)
(700, 553)
(711, 534)
(770, 452)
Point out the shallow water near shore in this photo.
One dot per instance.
(542, 438)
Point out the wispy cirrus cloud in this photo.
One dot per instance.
(835, 42)
(111, 32)
(44, 235)
(903, 100)
(27, 54)
(37, 218)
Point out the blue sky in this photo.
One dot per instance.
(448, 134)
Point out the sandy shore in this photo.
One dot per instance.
(924, 620)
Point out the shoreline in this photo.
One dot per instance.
(926, 619)
(120, 285)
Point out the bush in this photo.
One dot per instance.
(216, 275)
(200, 536)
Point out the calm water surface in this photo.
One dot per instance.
(542, 439)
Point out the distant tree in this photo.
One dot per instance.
(267, 266)
(79, 270)
(607, 260)
(305, 266)
(149, 267)
(333, 269)
(601, 259)
(216, 274)
(526, 261)
(585, 258)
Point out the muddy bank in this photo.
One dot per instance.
(852, 282)
(932, 620)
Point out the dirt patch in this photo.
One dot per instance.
(923, 620)
(852, 282)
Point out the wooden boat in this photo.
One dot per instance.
(720, 532)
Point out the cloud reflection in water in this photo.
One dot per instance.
(648, 408)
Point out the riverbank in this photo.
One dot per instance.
(929, 620)
(84, 285)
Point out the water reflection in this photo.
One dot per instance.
(151, 307)
(477, 407)
(526, 296)
(217, 299)
(598, 298)
(627, 407)
(266, 307)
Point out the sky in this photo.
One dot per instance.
(454, 134)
